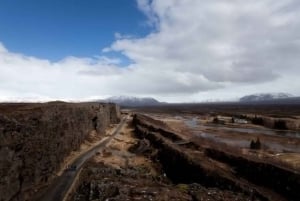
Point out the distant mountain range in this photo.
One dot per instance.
(270, 98)
(129, 101)
(262, 98)
(265, 97)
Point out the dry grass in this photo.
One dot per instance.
(119, 156)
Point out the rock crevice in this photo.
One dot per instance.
(36, 138)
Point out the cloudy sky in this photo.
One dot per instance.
(172, 50)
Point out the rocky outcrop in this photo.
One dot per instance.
(36, 138)
(281, 180)
(214, 167)
(138, 183)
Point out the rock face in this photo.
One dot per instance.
(214, 167)
(35, 139)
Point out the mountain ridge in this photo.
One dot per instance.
(265, 97)
(132, 101)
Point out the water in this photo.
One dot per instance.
(193, 124)
(242, 143)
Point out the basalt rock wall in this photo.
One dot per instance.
(36, 138)
(182, 165)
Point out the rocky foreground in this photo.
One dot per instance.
(148, 162)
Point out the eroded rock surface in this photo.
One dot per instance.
(35, 139)
(132, 168)
(102, 182)
(218, 167)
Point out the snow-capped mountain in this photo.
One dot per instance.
(265, 97)
(133, 101)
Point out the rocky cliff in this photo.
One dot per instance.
(215, 167)
(35, 139)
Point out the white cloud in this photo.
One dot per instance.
(198, 50)
(228, 44)
(23, 76)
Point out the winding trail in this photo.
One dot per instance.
(60, 186)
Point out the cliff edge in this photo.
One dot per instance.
(36, 138)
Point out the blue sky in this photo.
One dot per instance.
(172, 50)
(59, 28)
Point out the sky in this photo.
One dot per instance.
(172, 50)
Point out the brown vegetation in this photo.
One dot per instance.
(214, 166)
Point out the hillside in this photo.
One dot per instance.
(128, 101)
(265, 97)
